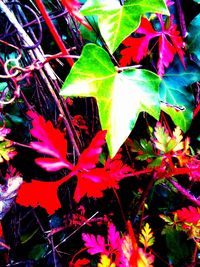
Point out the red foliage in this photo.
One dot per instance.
(39, 193)
(169, 40)
(80, 263)
(73, 7)
(189, 215)
(51, 142)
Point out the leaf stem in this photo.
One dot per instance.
(53, 31)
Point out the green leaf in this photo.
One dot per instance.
(197, 1)
(120, 96)
(117, 22)
(91, 36)
(178, 100)
(179, 249)
(194, 36)
(3, 85)
(38, 251)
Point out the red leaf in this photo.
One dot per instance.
(170, 43)
(94, 244)
(39, 193)
(1, 231)
(90, 156)
(138, 47)
(166, 54)
(92, 183)
(73, 7)
(51, 142)
(80, 263)
(189, 215)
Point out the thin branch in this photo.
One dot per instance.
(53, 31)
(185, 192)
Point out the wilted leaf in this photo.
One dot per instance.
(135, 90)
(8, 193)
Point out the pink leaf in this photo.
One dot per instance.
(94, 244)
(113, 237)
(90, 156)
(170, 43)
(51, 142)
(166, 54)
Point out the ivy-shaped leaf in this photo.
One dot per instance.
(177, 99)
(94, 75)
(117, 22)
(194, 36)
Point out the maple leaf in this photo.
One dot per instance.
(73, 7)
(94, 244)
(40, 193)
(138, 47)
(51, 142)
(189, 215)
(146, 237)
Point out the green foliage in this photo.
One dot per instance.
(179, 249)
(175, 92)
(117, 22)
(3, 85)
(94, 75)
(38, 251)
(194, 36)
(6, 150)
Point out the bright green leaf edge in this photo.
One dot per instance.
(120, 96)
(117, 22)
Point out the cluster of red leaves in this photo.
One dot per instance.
(169, 43)
(91, 180)
(118, 251)
(73, 7)
(189, 215)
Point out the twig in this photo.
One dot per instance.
(185, 192)
(181, 18)
(53, 31)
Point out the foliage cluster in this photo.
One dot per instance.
(99, 137)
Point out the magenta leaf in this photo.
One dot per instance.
(94, 244)
(170, 43)
(113, 237)
(51, 142)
